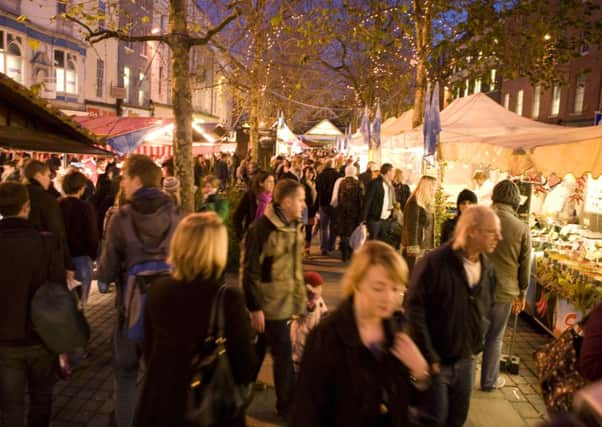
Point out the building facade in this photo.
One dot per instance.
(39, 48)
(572, 104)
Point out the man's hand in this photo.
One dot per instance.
(408, 353)
(70, 276)
(518, 305)
(258, 321)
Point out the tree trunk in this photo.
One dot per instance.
(423, 24)
(254, 122)
(182, 103)
(257, 76)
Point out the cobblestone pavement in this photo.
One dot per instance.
(85, 400)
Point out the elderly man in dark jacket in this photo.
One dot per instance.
(512, 263)
(138, 232)
(28, 259)
(451, 293)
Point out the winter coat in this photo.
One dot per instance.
(373, 202)
(244, 214)
(343, 384)
(417, 226)
(81, 226)
(139, 231)
(311, 198)
(447, 318)
(272, 270)
(214, 203)
(402, 193)
(590, 359)
(28, 258)
(325, 184)
(45, 215)
(302, 326)
(448, 228)
(176, 322)
(349, 209)
(512, 256)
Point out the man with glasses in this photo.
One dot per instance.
(451, 293)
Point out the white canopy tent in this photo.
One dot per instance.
(477, 130)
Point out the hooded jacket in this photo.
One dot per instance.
(139, 231)
(271, 267)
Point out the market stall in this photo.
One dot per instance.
(29, 123)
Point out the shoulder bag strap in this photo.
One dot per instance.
(216, 319)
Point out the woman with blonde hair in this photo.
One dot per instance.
(418, 221)
(359, 362)
(177, 314)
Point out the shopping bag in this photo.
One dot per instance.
(358, 237)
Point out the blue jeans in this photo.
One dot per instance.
(24, 368)
(327, 235)
(448, 399)
(126, 362)
(277, 337)
(83, 273)
(377, 230)
(490, 369)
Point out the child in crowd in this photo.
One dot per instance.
(302, 325)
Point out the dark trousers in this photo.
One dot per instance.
(126, 363)
(277, 338)
(328, 234)
(26, 368)
(377, 230)
(448, 399)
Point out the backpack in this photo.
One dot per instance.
(138, 281)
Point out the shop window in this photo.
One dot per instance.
(59, 70)
(493, 77)
(477, 86)
(555, 101)
(519, 102)
(579, 94)
(100, 77)
(536, 102)
(14, 62)
(507, 101)
(126, 82)
(71, 76)
(141, 89)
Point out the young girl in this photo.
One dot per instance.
(302, 325)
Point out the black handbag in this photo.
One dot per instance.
(214, 399)
(56, 319)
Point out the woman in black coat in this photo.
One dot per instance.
(358, 363)
(246, 211)
(465, 199)
(177, 315)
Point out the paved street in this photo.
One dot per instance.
(85, 400)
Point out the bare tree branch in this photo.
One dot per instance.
(95, 36)
(198, 41)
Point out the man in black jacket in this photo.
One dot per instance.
(324, 186)
(451, 293)
(28, 259)
(379, 203)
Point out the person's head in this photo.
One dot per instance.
(139, 171)
(479, 177)
(313, 285)
(9, 166)
(425, 192)
(168, 168)
(371, 167)
(171, 187)
(387, 171)
(14, 200)
(309, 173)
(506, 192)
(297, 164)
(376, 277)
(210, 184)
(478, 230)
(350, 171)
(329, 164)
(74, 183)
(199, 247)
(263, 181)
(200, 160)
(38, 171)
(289, 195)
(398, 176)
(465, 199)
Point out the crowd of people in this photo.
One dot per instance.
(400, 349)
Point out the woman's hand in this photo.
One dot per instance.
(407, 352)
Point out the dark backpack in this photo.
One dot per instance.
(139, 279)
